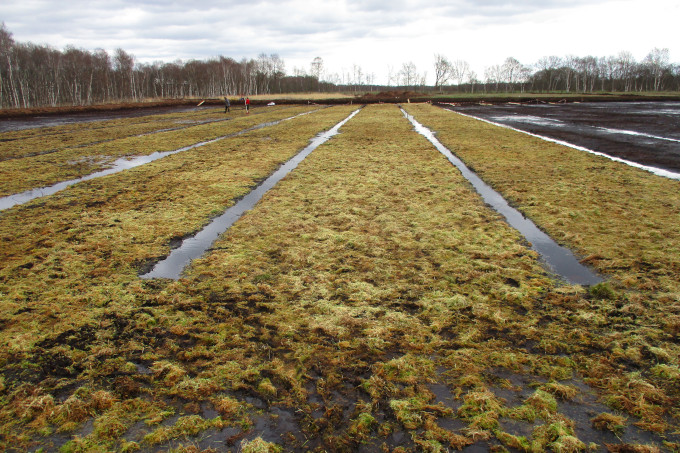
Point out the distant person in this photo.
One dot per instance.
(226, 105)
(247, 105)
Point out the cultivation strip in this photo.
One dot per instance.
(654, 170)
(370, 300)
(76, 163)
(90, 142)
(121, 165)
(35, 144)
(374, 300)
(99, 120)
(558, 259)
(196, 246)
(17, 145)
(617, 216)
(64, 138)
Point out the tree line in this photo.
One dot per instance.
(34, 75)
(38, 75)
(588, 74)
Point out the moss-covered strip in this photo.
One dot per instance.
(370, 300)
(42, 140)
(19, 175)
(624, 222)
(355, 273)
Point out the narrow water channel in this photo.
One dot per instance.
(559, 260)
(194, 247)
(120, 165)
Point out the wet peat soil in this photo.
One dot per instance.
(594, 126)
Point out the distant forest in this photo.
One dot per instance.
(34, 75)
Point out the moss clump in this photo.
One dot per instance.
(561, 391)
(361, 427)
(602, 291)
(558, 436)
(186, 426)
(609, 422)
(258, 445)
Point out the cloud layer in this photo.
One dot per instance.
(374, 34)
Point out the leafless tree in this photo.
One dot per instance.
(472, 80)
(357, 76)
(549, 69)
(391, 76)
(408, 74)
(493, 75)
(657, 62)
(442, 71)
(317, 68)
(510, 69)
(625, 69)
(460, 69)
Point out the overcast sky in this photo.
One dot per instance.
(373, 34)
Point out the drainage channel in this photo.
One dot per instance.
(194, 247)
(121, 165)
(559, 260)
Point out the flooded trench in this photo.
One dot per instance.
(559, 260)
(194, 247)
(123, 164)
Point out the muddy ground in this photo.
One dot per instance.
(644, 132)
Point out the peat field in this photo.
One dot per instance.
(369, 298)
(644, 132)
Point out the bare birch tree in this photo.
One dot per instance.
(460, 69)
(442, 71)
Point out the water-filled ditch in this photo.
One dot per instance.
(556, 258)
(194, 247)
(119, 165)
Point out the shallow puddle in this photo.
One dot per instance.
(194, 247)
(558, 259)
(120, 165)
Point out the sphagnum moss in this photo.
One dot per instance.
(42, 170)
(72, 304)
(45, 140)
(373, 248)
(369, 275)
